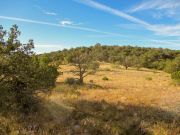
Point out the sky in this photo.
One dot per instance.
(59, 24)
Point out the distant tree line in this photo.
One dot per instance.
(128, 56)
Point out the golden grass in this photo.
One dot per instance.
(154, 102)
(131, 102)
(132, 87)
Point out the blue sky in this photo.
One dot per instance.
(58, 24)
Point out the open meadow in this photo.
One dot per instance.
(134, 102)
(96, 90)
(90, 67)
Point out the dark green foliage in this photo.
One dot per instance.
(126, 61)
(71, 81)
(173, 65)
(22, 73)
(82, 60)
(128, 56)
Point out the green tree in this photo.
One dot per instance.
(173, 65)
(136, 62)
(83, 63)
(176, 76)
(22, 73)
(126, 61)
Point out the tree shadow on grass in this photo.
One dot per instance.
(98, 118)
(50, 119)
(145, 70)
(60, 86)
(102, 118)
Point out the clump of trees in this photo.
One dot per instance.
(83, 62)
(22, 73)
(148, 57)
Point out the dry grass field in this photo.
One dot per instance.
(131, 102)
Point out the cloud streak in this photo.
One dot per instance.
(45, 12)
(159, 8)
(158, 29)
(42, 48)
(59, 25)
(65, 22)
(157, 4)
(50, 13)
(112, 11)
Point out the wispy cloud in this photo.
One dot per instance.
(42, 48)
(168, 42)
(69, 22)
(50, 13)
(65, 22)
(59, 25)
(158, 29)
(112, 11)
(167, 8)
(130, 26)
(157, 4)
(166, 30)
(45, 12)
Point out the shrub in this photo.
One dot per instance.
(149, 78)
(106, 69)
(173, 66)
(71, 81)
(176, 75)
(91, 81)
(70, 91)
(105, 78)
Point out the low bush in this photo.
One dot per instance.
(91, 81)
(176, 76)
(106, 69)
(149, 78)
(71, 81)
(173, 66)
(105, 78)
(67, 89)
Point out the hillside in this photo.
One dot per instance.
(129, 56)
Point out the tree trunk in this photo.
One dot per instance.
(81, 80)
(80, 75)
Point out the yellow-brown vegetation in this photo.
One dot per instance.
(128, 103)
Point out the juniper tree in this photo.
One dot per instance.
(22, 73)
(83, 63)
